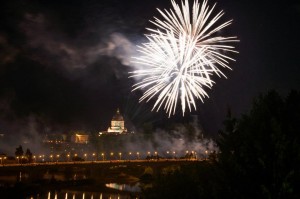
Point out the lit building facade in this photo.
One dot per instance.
(80, 138)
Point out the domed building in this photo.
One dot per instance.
(117, 124)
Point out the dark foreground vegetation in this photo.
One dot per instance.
(259, 157)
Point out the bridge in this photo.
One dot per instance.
(100, 171)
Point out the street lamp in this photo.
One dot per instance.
(130, 155)
(111, 154)
(174, 153)
(102, 154)
(138, 155)
(41, 157)
(75, 157)
(94, 155)
(193, 156)
(68, 157)
(2, 158)
(120, 154)
(85, 156)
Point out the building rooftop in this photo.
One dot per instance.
(118, 116)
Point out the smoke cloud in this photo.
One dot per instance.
(72, 53)
(25, 132)
(163, 142)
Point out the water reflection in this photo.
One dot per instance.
(124, 187)
(81, 195)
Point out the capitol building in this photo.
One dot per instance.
(116, 136)
(117, 125)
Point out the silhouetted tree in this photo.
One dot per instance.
(19, 151)
(28, 155)
(259, 153)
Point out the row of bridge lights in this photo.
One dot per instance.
(137, 154)
(103, 155)
(111, 154)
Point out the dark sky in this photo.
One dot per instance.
(64, 64)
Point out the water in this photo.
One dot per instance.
(124, 187)
(82, 195)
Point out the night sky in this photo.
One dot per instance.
(64, 64)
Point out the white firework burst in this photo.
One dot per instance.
(181, 55)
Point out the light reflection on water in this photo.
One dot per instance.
(124, 187)
(81, 195)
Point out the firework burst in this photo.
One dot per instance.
(181, 55)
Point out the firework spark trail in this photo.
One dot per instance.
(181, 55)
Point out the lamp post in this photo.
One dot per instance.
(186, 154)
(102, 154)
(120, 155)
(138, 155)
(75, 156)
(130, 155)
(2, 159)
(68, 156)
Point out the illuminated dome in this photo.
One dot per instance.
(118, 116)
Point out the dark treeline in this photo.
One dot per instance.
(259, 157)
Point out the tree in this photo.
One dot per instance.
(259, 152)
(19, 151)
(28, 155)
